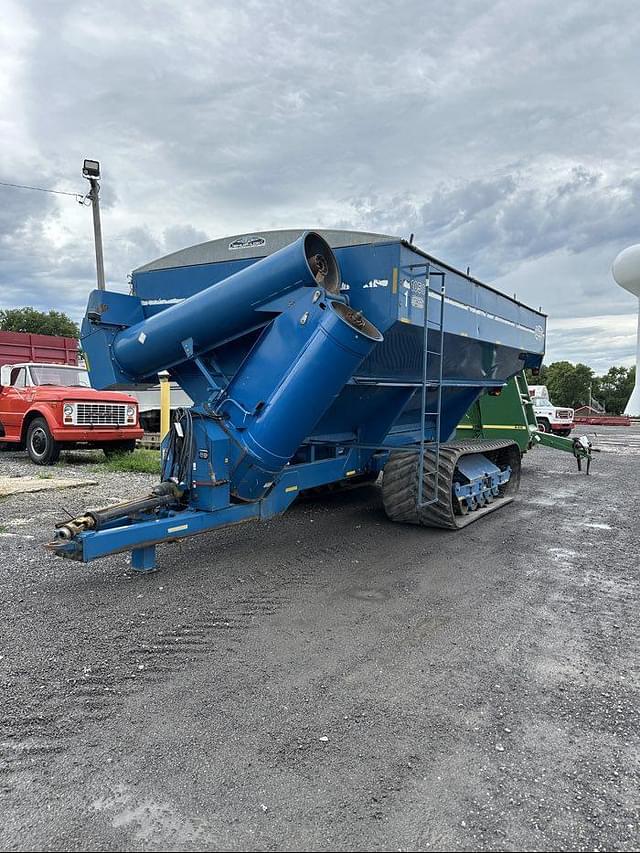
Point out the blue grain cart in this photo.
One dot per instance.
(313, 359)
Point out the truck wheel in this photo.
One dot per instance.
(42, 447)
(544, 425)
(150, 421)
(116, 448)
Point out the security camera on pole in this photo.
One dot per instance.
(91, 171)
(626, 272)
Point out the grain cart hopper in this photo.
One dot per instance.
(312, 359)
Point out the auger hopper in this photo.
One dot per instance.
(313, 359)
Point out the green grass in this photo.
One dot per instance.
(141, 461)
(4, 528)
(45, 476)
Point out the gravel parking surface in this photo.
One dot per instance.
(329, 680)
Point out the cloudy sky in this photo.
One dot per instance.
(505, 135)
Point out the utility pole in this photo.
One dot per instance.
(91, 171)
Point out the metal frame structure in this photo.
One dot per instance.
(437, 414)
(301, 378)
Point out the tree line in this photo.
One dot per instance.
(576, 385)
(38, 322)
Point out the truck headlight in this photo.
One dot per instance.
(131, 413)
(68, 413)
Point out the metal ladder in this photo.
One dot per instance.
(427, 355)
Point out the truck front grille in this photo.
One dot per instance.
(564, 414)
(107, 414)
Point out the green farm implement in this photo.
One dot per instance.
(509, 414)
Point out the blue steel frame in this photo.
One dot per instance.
(141, 537)
(478, 316)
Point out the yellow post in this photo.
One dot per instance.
(165, 403)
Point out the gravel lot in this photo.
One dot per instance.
(329, 680)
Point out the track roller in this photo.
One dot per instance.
(462, 498)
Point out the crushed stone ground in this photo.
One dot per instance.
(327, 679)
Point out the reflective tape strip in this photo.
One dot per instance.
(503, 426)
(491, 426)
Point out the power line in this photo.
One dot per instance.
(39, 189)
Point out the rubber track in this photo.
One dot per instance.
(400, 484)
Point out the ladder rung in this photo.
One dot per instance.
(432, 325)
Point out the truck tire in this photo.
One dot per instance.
(544, 425)
(150, 421)
(116, 448)
(42, 447)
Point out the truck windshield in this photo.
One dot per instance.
(53, 374)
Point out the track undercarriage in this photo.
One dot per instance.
(460, 483)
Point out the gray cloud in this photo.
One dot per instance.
(496, 223)
(504, 136)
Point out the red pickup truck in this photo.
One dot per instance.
(49, 407)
